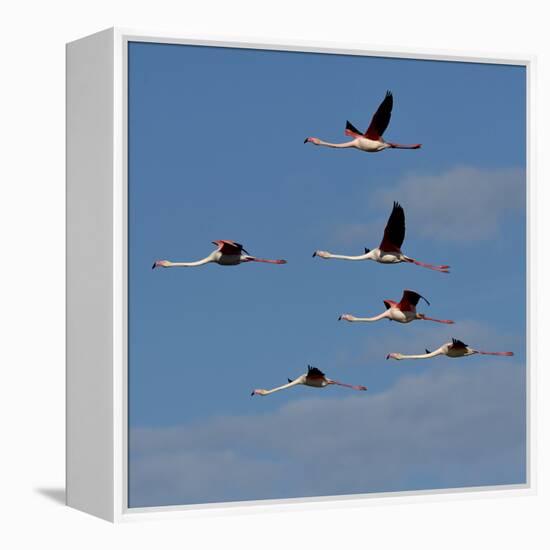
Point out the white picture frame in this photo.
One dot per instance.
(97, 452)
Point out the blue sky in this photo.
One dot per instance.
(216, 152)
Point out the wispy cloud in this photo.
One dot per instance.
(462, 204)
(458, 424)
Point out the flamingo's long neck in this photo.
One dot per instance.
(204, 261)
(352, 258)
(337, 145)
(289, 385)
(383, 315)
(438, 351)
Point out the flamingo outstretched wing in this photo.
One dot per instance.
(381, 118)
(410, 300)
(394, 233)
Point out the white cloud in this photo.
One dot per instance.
(462, 204)
(458, 424)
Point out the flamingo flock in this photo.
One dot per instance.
(231, 253)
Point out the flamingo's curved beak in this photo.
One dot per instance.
(314, 254)
(306, 140)
(388, 356)
(339, 318)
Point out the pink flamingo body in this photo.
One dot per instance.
(402, 312)
(455, 348)
(313, 378)
(389, 250)
(370, 141)
(227, 253)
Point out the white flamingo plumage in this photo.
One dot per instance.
(455, 348)
(314, 378)
(227, 253)
(389, 250)
(371, 141)
(402, 312)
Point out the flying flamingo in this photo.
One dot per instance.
(371, 141)
(389, 251)
(227, 253)
(314, 378)
(456, 348)
(402, 312)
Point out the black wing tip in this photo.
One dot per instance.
(428, 351)
(289, 380)
(351, 127)
(416, 294)
(458, 342)
(367, 250)
(398, 209)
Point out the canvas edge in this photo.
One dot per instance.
(325, 502)
(90, 485)
(329, 47)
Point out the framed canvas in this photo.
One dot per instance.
(359, 326)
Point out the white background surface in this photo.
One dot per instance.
(32, 276)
